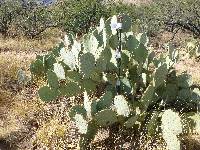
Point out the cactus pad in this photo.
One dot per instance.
(46, 94)
(87, 64)
(105, 118)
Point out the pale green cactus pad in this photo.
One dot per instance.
(37, 68)
(184, 80)
(77, 109)
(47, 95)
(105, 118)
(131, 121)
(147, 97)
(128, 87)
(105, 101)
(69, 89)
(160, 75)
(87, 64)
(52, 79)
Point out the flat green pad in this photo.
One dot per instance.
(46, 94)
(105, 118)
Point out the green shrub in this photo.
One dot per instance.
(161, 15)
(8, 13)
(172, 14)
(79, 15)
(35, 19)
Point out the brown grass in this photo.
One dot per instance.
(43, 43)
(11, 62)
(19, 105)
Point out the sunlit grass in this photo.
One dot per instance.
(46, 41)
(50, 131)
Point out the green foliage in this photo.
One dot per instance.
(69, 89)
(105, 118)
(172, 14)
(8, 12)
(79, 16)
(105, 101)
(52, 79)
(145, 81)
(26, 18)
(162, 14)
(87, 64)
(160, 75)
(47, 94)
(35, 19)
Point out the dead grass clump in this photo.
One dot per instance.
(191, 142)
(11, 62)
(5, 98)
(16, 118)
(52, 134)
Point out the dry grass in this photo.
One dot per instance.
(14, 108)
(20, 105)
(18, 53)
(11, 62)
(43, 43)
(49, 132)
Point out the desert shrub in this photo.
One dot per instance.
(32, 18)
(160, 15)
(79, 15)
(8, 14)
(35, 18)
(181, 13)
(28, 18)
(172, 14)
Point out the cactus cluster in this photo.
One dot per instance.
(148, 83)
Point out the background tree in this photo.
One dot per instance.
(8, 13)
(35, 18)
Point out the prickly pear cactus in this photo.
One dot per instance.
(121, 80)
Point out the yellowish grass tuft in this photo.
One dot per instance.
(50, 132)
(137, 2)
(15, 109)
(11, 62)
